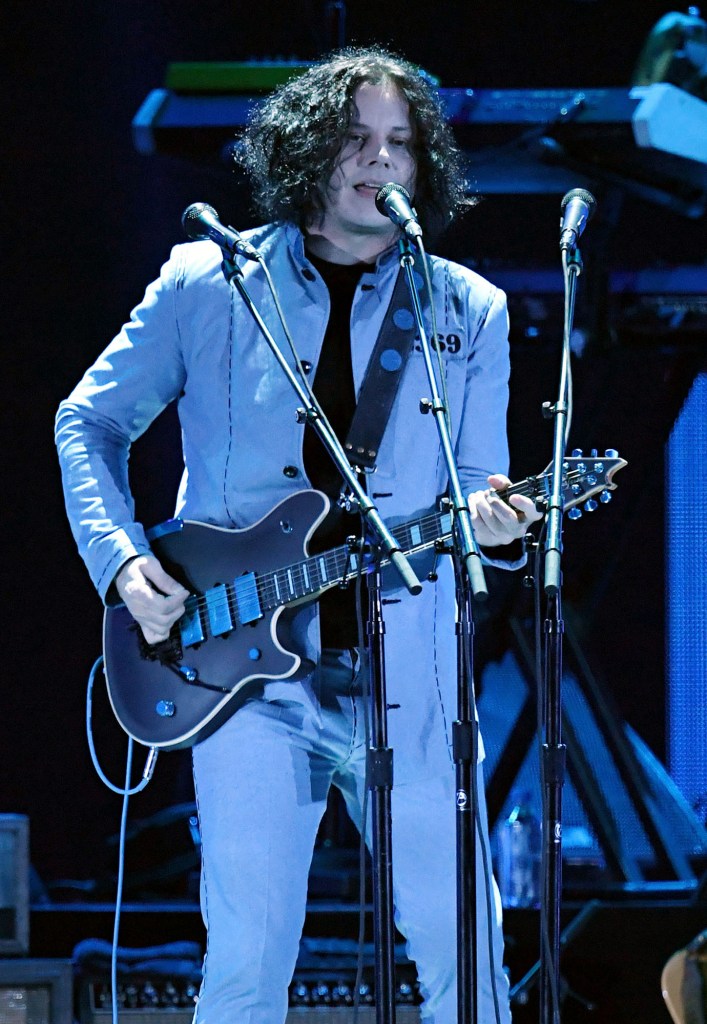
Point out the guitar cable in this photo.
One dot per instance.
(126, 792)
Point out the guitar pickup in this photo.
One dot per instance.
(247, 599)
(191, 628)
(218, 610)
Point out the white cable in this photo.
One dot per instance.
(151, 757)
(119, 886)
(126, 792)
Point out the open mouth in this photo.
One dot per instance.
(367, 187)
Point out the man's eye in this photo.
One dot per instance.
(355, 137)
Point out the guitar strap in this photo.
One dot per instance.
(383, 374)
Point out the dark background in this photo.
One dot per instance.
(88, 221)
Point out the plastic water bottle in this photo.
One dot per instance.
(519, 856)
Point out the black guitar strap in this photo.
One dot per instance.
(383, 375)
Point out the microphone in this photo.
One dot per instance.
(393, 200)
(577, 208)
(201, 221)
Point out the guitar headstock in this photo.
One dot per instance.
(583, 478)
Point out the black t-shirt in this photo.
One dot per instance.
(334, 387)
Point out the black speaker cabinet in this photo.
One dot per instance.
(14, 884)
(36, 992)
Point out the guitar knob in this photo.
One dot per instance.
(576, 489)
(577, 453)
(255, 654)
(166, 708)
(590, 505)
(574, 513)
(599, 467)
(611, 453)
(605, 497)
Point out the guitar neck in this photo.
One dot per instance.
(256, 593)
(314, 575)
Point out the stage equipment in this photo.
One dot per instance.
(14, 884)
(684, 983)
(676, 52)
(649, 140)
(36, 992)
(627, 829)
(469, 581)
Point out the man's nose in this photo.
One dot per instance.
(378, 151)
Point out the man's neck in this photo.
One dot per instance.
(349, 250)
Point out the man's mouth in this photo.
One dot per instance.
(368, 186)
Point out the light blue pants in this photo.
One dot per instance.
(261, 784)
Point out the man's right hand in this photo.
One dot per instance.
(152, 597)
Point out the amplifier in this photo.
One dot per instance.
(36, 992)
(296, 1015)
(342, 1014)
(172, 1002)
(14, 884)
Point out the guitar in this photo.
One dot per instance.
(172, 694)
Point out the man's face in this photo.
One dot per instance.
(378, 149)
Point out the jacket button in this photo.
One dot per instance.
(309, 274)
(291, 471)
(306, 366)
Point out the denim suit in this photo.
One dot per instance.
(192, 341)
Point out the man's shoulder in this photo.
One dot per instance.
(463, 276)
(200, 261)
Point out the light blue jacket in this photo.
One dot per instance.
(192, 340)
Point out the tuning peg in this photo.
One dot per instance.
(605, 497)
(575, 513)
(577, 453)
(611, 453)
(590, 505)
(593, 453)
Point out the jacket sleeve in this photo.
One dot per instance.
(131, 382)
(482, 444)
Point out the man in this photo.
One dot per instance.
(318, 151)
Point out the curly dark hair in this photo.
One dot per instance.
(292, 144)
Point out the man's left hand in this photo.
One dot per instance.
(495, 522)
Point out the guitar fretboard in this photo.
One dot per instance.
(336, 566)
(246, 599)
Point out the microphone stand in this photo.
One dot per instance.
(379, 763)
(553, 750)
(469, 578)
